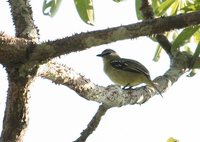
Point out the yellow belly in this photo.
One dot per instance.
(123, 78)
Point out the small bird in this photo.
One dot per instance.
(125, 72)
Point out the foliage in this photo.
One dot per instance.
(50, 8)
(162, 8)
(183, 38)
(171, 139)
(179, 37)
(85, 10)
(83, 7)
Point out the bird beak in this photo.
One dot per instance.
(100, 55)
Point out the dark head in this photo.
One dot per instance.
(108, 53)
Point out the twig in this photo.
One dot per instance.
(93, 123)
(165, 44)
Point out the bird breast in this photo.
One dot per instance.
(122, 77)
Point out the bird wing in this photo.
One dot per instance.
(129, 65)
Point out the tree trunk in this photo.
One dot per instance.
(16, 113)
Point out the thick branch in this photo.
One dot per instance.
(45, 51)
(16, 113)
(23, 19)
(14, 50)
(83, 41)
(113, 95)
(93, 123)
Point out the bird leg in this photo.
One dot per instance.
(127, 87)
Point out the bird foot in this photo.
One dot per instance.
(128, 88)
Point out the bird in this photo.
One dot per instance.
(125, 72)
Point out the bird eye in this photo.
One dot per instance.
(107, 53)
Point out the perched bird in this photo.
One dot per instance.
(125, 72)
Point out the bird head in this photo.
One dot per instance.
(108, 53)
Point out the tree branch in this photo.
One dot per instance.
(47, 50)
(14, 50)
(146, 10)
(93, 123)
(147, 13)
(113, 95)
(16, 112)
(83, 41)
(23, 19)
(165, 44)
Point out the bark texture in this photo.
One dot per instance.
(14, 55)
(16, 113)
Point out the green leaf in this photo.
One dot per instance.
(117, 0)
(196, 55)
(137, 7)
(174, 35)
(187, 49)
(174, 7)
(157, 54)
(50, 8)
(191, 7)
(85, 10)
(182, 37)
(197, 37)
(197, 51)
(155, 3)
(163, 7)
(171, 139)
